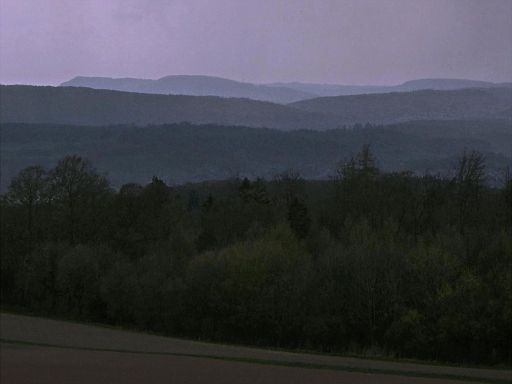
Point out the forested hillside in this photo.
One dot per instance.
(86, 106)
(183, 152)
(367, 262)
(419, 105)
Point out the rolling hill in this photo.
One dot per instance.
(86, 106)
(464, 104)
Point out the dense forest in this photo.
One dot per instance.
(367, 262)
(180, 153)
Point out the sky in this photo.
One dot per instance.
(327, 41)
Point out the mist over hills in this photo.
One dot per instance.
(280, 92)
(193, 86)
(86, 106)
(408, 86)
(133, 136)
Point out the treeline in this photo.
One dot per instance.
(184, 152)
(367, 262)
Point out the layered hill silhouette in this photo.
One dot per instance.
(86, 106)
(473, 103)
(408, 86)
(193, 86)
(283, 93)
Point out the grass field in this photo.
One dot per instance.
(37, 350)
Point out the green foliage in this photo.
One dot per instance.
(298, 218)
(29, 190)
(118, 290)
(76, 190)
(77, 283)
(404, 265)
(38, 277)
(252, 288)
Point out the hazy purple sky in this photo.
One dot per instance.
(339, 41)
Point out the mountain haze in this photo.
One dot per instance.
(193, 86)
(408, 86)
(281, 92)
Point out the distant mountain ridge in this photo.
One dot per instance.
(284, 93)
(408, 86)
(193, 86)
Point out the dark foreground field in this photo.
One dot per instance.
(35, 350)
